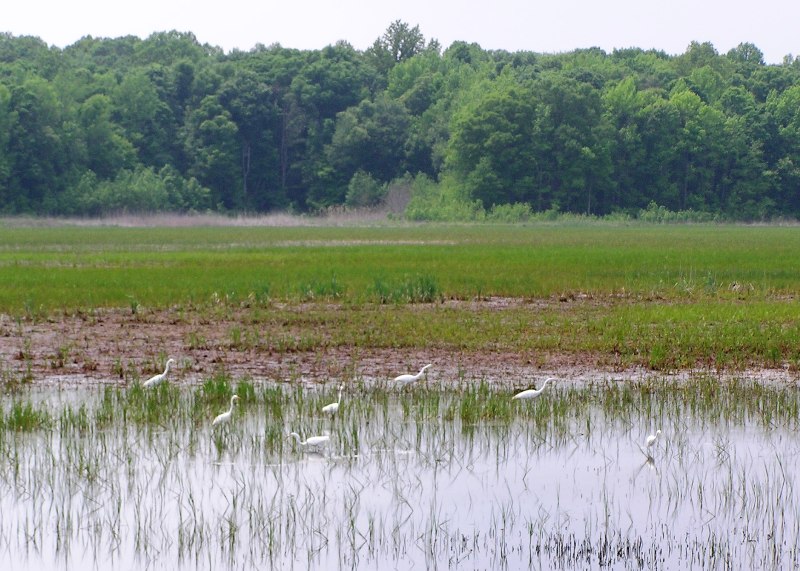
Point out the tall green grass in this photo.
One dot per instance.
(65, 268)
(663, 297)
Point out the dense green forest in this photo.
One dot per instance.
(168, 124)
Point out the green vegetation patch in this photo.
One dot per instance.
(68, 268)
(663, 297)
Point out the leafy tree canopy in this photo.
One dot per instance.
(166, 122)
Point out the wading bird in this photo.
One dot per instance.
(311, 441)
(532, 393)
(225, 416)
(160, 378)
(409, 378)
(651, 440)
(334, 406)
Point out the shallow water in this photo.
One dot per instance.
(410, 478)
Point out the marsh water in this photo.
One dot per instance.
(427, 477)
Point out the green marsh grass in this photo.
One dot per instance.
(417, 289)
(77, 267)
(662, 297)
(716, 334)
(435, 473)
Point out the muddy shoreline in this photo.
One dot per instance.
(112, 346)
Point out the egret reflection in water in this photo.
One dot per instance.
(427, 478)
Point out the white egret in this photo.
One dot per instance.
(409, 378)
(532, 393)
(311, 441)
(334, 406)
(651, 440)
(225, 416)
(161, 377)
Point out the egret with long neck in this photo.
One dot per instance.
(409, 378)
(161, 377)
(311, 441)
(333, 407)
(225, 416)
(532, 393)
(651, 440)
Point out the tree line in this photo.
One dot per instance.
(166, 123)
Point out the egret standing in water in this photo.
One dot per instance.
(160, 378)
(651, 440)
(409, 378)
(225, 416)
(532, 393)
(333, 408)
(311, 441)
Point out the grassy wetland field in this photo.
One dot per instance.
(693, 330)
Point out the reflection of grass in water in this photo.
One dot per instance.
(705, 398)
(147, 461)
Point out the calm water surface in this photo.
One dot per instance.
(409, 479)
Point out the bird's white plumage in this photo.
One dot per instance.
(333, 407)
(161, 377)
(409, 378)
(532, 393)
(225, 416)
(311, 441)
(651, 440)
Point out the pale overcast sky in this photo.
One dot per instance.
(546, 26)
